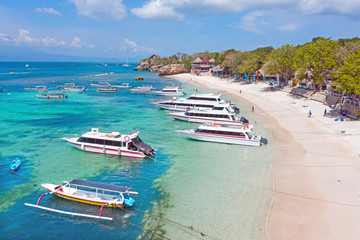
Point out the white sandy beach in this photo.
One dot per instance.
(316, 174)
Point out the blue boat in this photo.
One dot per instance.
(15, 164)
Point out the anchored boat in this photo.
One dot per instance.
(169, 91)
(94, 193)
(52, 95)
(15, 164)
(222, 115)
(112, 143)
(224, 134)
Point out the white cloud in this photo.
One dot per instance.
(157, 9)
(134, 47)
(77, 43)
(48, 10)
(101, 10)
(289, 27)
(5, 38)
(177, 9)
(250, 22)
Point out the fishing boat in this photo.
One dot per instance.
(127, 145)
(143, 89)
(169, 91)
(224, 134)
(223, 115)
(100, 84)
(75, 89)
(107, 89)
(123, 85)
(200, 101)
(15, 164)
(139, 78)
(36, 89)
(52, 95)
(94, 193)
(67, 85)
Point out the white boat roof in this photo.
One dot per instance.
(211, 126)
(206, 95)
(222, 111)
(108, 136)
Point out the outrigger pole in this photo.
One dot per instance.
(68, 213)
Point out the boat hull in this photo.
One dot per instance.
(205, 120)
(169, 94)
(176, 108)
(103, 149)
(222, 139)
(69, 194)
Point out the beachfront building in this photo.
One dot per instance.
(202, 67)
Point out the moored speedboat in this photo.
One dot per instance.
(75, 89)
(200, 101)
(224, 134)
(143, 89)
(52, 95)
(112, 143)
(36, 89)
(223, 115)
(169, 91)
(67, 85)
(123, 85)
(100, 84)
(107, 89)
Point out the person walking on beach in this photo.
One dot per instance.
(252, 108)
(240, 91)
(310, 114)
(325, 112)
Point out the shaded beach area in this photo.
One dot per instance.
(316, 170)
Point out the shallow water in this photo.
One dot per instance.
(217, 189)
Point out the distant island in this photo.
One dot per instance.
(317, 65)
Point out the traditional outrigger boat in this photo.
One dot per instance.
(107, 89)
(94, 193)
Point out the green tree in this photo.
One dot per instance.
(281, 61)
(348, 77)
(320, 58)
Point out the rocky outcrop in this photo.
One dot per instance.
(155, 64)
(172, 69)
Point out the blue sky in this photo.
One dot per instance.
(138, 29)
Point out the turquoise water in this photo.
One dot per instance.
(217, 189)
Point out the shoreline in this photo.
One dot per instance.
(315, 171)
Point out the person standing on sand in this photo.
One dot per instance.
(240, 91)
(252, 108)
(310, 113)
(325, 112)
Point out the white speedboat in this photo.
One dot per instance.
(100, 84)
(52, 95)
(112, 143)
(143, 89)
(223, 115)
(223, 134)
(200, 101)
(169, 91)
(36, 89)
(123, 85)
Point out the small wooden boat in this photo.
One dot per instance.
(15, 164)
(36, 89)
(52, 95)
(106, 89)
(139, 78)
(94, 193)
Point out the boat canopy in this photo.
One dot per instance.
(146, 149)
(104, 186)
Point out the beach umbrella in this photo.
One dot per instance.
(246, 77)
(264, 77)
